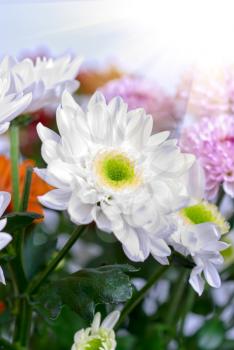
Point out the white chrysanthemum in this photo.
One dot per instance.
(107, 168)
(100, 336)
(5, 238)
(198, 234)
(46, 79)
(12, 103)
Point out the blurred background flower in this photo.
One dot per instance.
(166, 109)
(212, 141)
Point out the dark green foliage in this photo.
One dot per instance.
(85, 289)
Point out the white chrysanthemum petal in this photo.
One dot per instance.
(79, 212)
(50, 178)
(2, 277)
(161, 260)
(5, 199)
(102, 222)
(159, 248)
(13, 108)
(212, 276)
(5, 239)
(125, 235)
(135, 247)
(97, 98)
(100, 126)
(196, 182)
(196, 280)
(2, 224)
(110, 321)
(62, 171)
(46, 133)
(57, 199)
(138, 128)
(4, 127)
(12, 101)
(49, 150)
(118, 113)
(96, 322)
(229, 188)
(157, 139)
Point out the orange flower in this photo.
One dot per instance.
(91, 79)
(38, 186)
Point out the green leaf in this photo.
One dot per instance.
(17, 221)
(85, 289)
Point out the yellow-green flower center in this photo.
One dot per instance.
(94, 344)
(103, 339)
(205, 212)
(116, 170)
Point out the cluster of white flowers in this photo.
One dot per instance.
(25, 87)
(107, 167)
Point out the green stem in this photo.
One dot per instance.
(26, 190)
(24, 311)
(25, 325)
(14, 139)
(176, 297)
(36, 283)
(188, 306)
(139, 295)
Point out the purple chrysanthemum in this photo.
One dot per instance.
(212, 141)
(166, 110)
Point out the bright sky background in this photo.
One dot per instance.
(158, 37)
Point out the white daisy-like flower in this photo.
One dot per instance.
(100, 336)
(46, 79)
(12, 103)
(106, 167)
(198, 234)
(5, 238)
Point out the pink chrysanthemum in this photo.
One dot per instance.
(211, 92)
(212, 141)
(166, 110)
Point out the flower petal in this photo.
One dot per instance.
(5, 239)
(196, 280)
(57, 199)
(229, 188)
(5, 199)
(80, 213)
(212, 276)
(110, 321)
